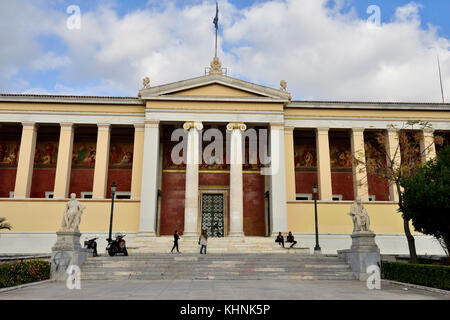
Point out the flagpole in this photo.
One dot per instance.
(440, 79)
(217, 26)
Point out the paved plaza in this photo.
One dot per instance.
(221, 290)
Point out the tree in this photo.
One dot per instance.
(4, 225)
(426, 199)
(396, 162)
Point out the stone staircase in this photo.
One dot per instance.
(256, 266)
(215, 245)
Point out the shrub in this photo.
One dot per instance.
(23, 272)
(420, 274)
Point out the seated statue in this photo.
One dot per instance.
(72, 214)
(361, 220)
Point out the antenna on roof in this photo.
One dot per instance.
(440, 79)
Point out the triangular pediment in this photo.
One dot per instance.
(213, 86)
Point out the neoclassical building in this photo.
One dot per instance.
(52, 146)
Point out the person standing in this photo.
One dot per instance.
(175, 241)
(203, 240)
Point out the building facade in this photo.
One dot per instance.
(216, 153)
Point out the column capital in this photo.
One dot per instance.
(66, 125)
(289, 130)
(103, 126)
(275, 125)
(392, 131)
(322, 130)
(139, 126)
(151, 123)
(192, 124)
(358, 130)
(236, 126)
(29, 125)
(428, 133)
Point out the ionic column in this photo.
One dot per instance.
(26, 161)
(64, 163)
(138, 156)
(290, 164)
(101, 161)
(236, 180)
(277, 180)
(360, 183)
(323, 164)
(427, 146)
(393, 153)
(192, 177)
(149, 187)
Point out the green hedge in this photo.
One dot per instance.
(24, 272)
(420, 274)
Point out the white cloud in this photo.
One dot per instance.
(322, 53)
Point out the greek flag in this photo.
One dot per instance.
(216, 19)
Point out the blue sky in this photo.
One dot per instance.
(261, 41)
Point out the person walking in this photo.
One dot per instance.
(176, 237)
(290, 238)
(203, 240)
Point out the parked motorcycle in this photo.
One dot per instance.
(117, 246)
(91, 244)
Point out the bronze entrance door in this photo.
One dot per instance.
(213, 212)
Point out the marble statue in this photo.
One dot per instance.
(283, 85)
(361, 220)
(72, 214)
(146, 83)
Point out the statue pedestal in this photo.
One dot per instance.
(67, 251)
(363, 253)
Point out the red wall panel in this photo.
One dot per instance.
(172, 203)
(304, 181)
(43, 181)
(122, 178)
(342, 183)
(254, 215)
(81, 180)
(7, 181)
(378, 187)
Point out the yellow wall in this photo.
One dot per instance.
(334, 218)
(215, 90)
(219, 106)
(401, 114)
(46, 215)
(52, 107)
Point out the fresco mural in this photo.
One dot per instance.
(9, 153)
(305, 156)
(46, 153)
(340, 157)
(121, 155)
(84, 154)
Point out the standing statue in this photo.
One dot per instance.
(361, 220)
(72, 214)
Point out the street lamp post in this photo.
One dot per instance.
(317, 249)
(113, 194)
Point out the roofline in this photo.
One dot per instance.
(369, 105)
(36, 98)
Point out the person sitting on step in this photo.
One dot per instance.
(290, 238)
(280, 239)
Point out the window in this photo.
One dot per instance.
(303, 196)
(337, 197)
(372, 198)
(86, 195)
(49, 195)
(122, 195)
